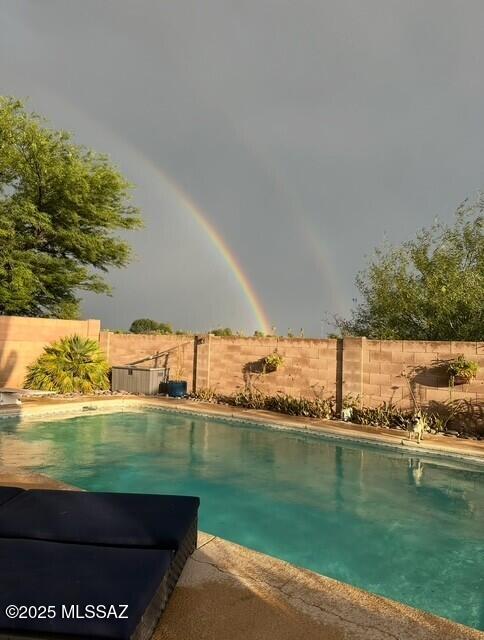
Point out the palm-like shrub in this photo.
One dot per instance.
(73, 364)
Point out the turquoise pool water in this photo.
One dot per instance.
(410, 528)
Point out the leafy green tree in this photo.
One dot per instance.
(73, 364)
(222, 331)
(429, 288)
(60, 206)
(146, 325)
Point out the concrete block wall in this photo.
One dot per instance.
(352, 367)
(389, 366)
(22, 340)
(310, 366)
(369, 369)
(126, 348)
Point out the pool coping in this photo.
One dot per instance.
(470, 451)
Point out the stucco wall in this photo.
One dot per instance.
(22, 340)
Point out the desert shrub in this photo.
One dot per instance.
(309, 408)
(73, 364)
(283, 403)
(247, 398)
(389, 415)
(146, 325)
(222, 331)
(386, 415)
(205, 395)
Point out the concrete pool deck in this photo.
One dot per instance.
(229, 592)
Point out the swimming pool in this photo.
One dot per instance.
(410, 528)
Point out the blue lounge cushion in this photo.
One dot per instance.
(115, 519)
(38, 574)
(7, 493)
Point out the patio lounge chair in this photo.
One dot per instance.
(7, 493)
(114, 519)
(40, 574)
(101, 526)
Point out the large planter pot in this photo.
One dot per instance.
(176, 388)
(163, 388)
(461, 380)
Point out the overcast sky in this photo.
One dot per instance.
(305, 132)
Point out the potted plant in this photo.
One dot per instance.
(461, 370)
(272, 362)
(176, 388)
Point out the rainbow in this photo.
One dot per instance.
(222, 247)
(185, 201)
(308, 231)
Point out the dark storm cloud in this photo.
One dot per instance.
(306, 130)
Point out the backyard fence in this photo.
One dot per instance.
(373, 371)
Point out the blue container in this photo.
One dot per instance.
(177, 388)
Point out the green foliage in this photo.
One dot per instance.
(390, 416)
(73, 364)
(272, 362)
(318, 407)
(205, 395)
(145, 325)
(247, 398)
(351, 402)
(165, 327)
(456, 413)
(250, 398)
(309, 408)
(258, 334)
(462, 368)
(60, 205)
(430, 288)
(225, 331)
(386, 415)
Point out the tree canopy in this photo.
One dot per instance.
(429, 288)
(222, 331)
(146, 325)
(60, 206)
